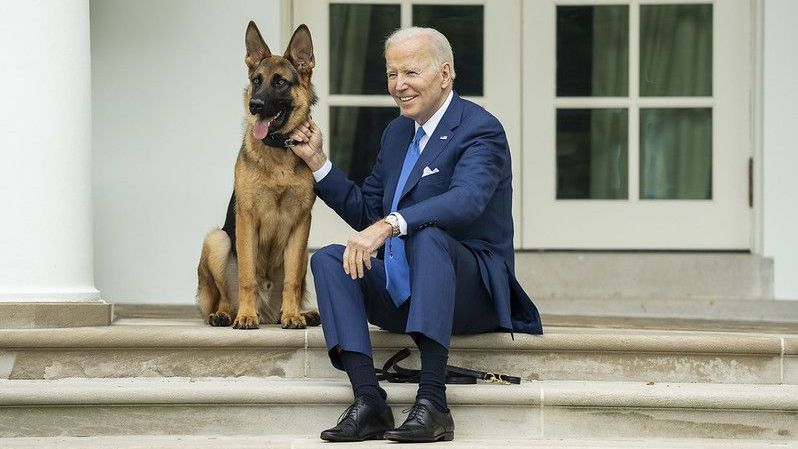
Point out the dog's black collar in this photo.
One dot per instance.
(277, 140)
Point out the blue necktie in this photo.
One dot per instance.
(397, 272)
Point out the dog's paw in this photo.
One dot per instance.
(312, 317)
(219, 319)
(246, 321)
(293, 321)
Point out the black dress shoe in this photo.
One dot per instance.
(365, 419)
(424, 424)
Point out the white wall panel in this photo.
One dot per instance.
(168, 78)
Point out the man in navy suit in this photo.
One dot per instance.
(440, 199)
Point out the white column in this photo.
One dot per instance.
(45, 152)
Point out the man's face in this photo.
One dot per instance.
(416, 85)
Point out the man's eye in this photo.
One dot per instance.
(391, 75)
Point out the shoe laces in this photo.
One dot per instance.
(415, 411)
(352, 411)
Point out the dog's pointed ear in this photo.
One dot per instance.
(257, 50)
(300, 50)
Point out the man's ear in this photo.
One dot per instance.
(257, 50)
(446, 75)
(300, 50)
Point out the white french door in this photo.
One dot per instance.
(629, 121)
(637, 124)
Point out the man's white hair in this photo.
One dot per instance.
(439, 46)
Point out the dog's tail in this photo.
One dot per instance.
(211, 271)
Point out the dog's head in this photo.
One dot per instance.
(279, 94)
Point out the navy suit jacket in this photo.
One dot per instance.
(470, 197)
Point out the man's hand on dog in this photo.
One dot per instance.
(308, 145)
(360, 246)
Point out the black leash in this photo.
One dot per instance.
(454, 374)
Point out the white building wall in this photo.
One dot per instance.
(163, 77)
(168, 78)
(780, 147)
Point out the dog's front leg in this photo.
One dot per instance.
(247, 249)
(295, 261)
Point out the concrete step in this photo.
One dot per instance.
(189, 348)
(642, 275)
(767, 316)
(736, 310)
(308, 442)
(532, 410)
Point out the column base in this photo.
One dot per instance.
(38, 315)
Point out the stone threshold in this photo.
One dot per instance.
(140, 333)
(750, 315)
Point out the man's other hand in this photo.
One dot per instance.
(308, 144)
(360, 246)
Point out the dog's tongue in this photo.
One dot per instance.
(261, 128)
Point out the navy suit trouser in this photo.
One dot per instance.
(447, 295)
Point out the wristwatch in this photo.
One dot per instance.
(393, 220)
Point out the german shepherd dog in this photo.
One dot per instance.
(254, 267)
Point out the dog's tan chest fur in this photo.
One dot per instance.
(271, 179)
(275, 188)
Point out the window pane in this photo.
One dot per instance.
(355, 137)
(676, 50)
(592, 51)
(676, 154)
(357, 36)
(463, 27)
(591, 153)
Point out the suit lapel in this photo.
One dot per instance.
(435, 144)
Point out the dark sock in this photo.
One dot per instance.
(360, 369)
(432, 382)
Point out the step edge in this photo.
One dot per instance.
(156, 337)
(273, 391)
